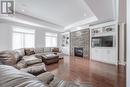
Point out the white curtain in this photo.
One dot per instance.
(23, 38)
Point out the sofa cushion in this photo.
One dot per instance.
(11, 77)
(39, 50)
(21, 52)
(47, 49)
(35, 69)
(29, 60)
(29, 51)
(39, 55)
(8, 58)
(46, 77)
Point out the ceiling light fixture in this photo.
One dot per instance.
(23, 10)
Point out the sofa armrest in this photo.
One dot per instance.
(46, 77)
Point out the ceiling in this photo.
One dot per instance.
(65, 14)
(105, 10)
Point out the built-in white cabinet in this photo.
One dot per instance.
(104, 43)
(106, 55)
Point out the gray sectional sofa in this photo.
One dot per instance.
(29, 59)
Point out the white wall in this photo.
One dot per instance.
(122, 11)
(122, 43)
(128, 43)
(122, 21)
(6, 35)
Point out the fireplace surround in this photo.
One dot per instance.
(80, 39)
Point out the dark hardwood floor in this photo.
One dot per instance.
(85, 71)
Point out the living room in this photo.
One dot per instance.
(68, 43)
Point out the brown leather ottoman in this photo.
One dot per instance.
(50, 58)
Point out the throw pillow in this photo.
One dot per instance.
(21, 52)
(29, 51)
(55, 50)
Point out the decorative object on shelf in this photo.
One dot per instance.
(102, 30)
(65, 40)
(108, 29)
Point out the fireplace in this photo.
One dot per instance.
(78, 52)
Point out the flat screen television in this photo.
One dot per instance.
(104, 41)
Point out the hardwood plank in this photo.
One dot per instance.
(87, 71)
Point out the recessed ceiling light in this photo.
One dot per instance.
(23, 10)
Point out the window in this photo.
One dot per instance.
(23, 38)
(51, 39)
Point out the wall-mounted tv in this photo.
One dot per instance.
(103, 41)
